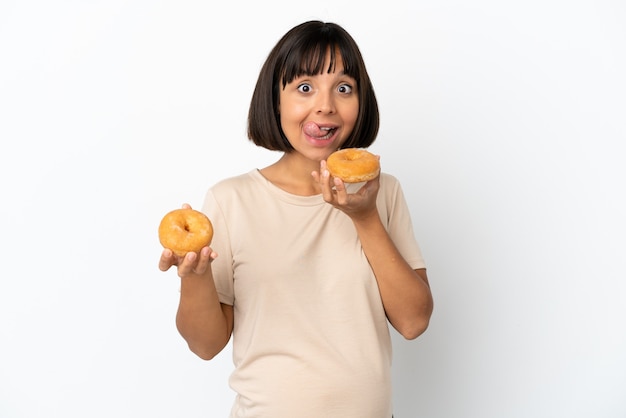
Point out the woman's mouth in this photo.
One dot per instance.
(319, 132)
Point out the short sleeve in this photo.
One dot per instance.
(396, 216)
(222, 266)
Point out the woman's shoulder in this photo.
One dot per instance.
(388, 178)
(233, 190)
(390, 191)
(237, 182)
(389, 182)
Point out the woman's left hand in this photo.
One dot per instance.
(356, 205)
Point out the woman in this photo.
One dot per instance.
(310, 269)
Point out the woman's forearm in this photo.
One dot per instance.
(405, 292)
(201, 319)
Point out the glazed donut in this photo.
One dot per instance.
(353, 165)
(185, 230)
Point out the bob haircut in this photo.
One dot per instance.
(302, 51)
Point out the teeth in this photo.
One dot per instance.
(325, 129)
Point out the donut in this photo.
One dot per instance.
(185, 230)
(353, 165)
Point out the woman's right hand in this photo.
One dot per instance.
(191, 263)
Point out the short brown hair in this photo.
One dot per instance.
(302, 51)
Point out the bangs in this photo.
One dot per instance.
(310, 58)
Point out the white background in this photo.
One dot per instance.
(504, 122)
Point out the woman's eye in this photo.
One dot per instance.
(345, 88)
(304, 88)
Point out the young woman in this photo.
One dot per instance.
(310, 270)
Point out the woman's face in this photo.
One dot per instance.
(318, 112)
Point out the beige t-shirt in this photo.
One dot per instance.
(310, 336)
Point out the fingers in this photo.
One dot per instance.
(202, 260)
(327, 189)
(191, 263)
(340, 192)
(188, 264)
(196, 263)
(167, 260)
(326, 184)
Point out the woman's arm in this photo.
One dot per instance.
(405, 292)
(204, 322)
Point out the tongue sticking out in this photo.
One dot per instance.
(313, 129)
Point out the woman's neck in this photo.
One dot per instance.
(293, 174)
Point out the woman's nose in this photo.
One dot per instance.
(325, 103)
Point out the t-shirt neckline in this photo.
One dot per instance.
(294, 199)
